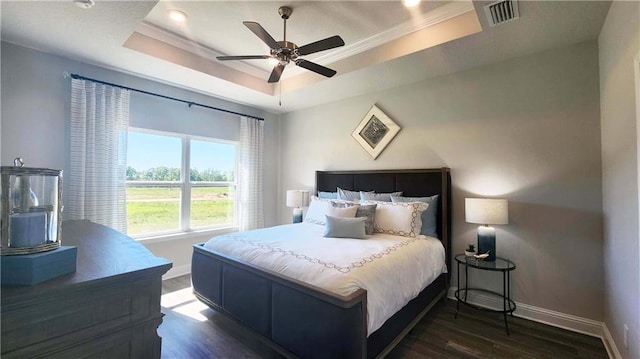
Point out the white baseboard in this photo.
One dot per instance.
(177, 271)
(610, 344)
(557, 319)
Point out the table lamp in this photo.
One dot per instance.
(297, 199)
(486, 211)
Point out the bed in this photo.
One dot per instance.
(303, 320)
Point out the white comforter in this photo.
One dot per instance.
(392, 269)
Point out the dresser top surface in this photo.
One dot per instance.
(103, 254)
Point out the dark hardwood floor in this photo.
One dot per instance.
(192, 330)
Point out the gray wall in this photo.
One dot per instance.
(36, 111)
(619, 43)
(527, 130)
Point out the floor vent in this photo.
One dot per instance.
(501, 11)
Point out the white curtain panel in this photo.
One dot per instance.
(250, 174)
(97, 182)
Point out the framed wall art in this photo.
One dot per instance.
(375, 131)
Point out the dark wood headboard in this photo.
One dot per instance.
(414, 183)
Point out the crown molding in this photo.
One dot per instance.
(160, 34)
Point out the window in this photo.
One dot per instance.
(179, 183)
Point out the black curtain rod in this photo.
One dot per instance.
(190, 103)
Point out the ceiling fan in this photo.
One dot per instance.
(285, 51)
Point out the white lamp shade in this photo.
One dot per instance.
(486, 211)
(297, 198)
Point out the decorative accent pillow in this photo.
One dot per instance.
(372, 196)
(317, 210)
(400, 219)
(328, 195)
(340, 227)
(429, 220)
(342, 211)
(368, 211)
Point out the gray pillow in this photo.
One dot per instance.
(342, 227)
(371, 196)
(346, 195)
(429, 225)
(367, 211)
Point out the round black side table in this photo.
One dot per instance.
(499, 265)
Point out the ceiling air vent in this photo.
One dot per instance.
(501, 11)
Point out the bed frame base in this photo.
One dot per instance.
(299, 320)
(305, 320)
(284, 352)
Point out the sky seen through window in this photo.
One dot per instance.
(145, 151)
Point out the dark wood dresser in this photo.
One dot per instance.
(108, 308)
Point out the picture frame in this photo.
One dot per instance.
(375, 131)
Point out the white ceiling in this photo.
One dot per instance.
(387, 45)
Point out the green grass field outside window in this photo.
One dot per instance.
(157, 209)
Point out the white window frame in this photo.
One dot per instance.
(185, 185)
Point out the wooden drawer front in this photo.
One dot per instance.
(51, 319)
(65, 320)
(117, 345)
(141, 341)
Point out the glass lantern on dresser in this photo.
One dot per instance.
(30, 210)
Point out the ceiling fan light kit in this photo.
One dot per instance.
(283, 52)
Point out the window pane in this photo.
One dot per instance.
(153, 157)
(152, 209)
(212, 206)
(212, 161)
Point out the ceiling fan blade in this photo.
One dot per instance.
(262, 34)
(312, 66)
(276, 73)
(245, 57)
(321, 45)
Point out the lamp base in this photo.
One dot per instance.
(487, 242)
(297, 215)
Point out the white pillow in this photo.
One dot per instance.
(429, 216)
(348, 212)
(317, 210)
(400, 219)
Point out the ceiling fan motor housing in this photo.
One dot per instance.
(285, 51)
